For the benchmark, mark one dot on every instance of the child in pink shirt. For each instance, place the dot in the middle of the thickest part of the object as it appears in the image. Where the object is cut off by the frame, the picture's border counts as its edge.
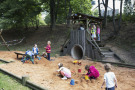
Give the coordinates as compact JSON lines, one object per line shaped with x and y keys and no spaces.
{"x":92,"y":72}
{"x":48,"y":50}
{"x":98,"y":33}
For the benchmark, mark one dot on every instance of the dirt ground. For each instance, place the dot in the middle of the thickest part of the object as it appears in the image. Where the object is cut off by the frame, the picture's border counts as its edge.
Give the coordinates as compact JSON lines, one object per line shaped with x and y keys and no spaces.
{"x":42,"y":73}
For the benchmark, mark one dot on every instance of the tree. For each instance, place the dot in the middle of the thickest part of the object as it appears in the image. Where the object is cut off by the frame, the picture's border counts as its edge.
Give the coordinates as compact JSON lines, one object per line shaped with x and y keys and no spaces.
{"x":52,"y":13}
{"x":120,"y":19}
{"x":105,"y":14}
{"x":114,"y":17}
{"x":99,"y":8}
{"x":18,"y":13}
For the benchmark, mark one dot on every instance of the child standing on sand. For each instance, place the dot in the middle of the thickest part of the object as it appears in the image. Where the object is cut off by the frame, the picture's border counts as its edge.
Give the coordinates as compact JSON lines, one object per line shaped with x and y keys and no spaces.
{"x":48,"y":50}
{"x":109,"y":78}
{"x":35,"y":50}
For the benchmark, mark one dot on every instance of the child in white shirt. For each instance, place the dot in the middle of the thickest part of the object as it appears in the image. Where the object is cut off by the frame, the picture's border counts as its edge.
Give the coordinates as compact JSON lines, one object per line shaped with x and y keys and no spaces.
{"x":109,"y":78}
{"x":65,"y":72}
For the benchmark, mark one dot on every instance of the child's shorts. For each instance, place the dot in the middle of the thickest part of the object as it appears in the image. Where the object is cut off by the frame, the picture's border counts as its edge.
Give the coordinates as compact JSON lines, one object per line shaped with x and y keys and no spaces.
{"x":113,"y":88}
{"x":67,"y":75}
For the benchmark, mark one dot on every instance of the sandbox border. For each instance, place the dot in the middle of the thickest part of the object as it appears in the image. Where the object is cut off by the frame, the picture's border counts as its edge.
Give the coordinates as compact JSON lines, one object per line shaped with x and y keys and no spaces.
{"x":28,"y":83}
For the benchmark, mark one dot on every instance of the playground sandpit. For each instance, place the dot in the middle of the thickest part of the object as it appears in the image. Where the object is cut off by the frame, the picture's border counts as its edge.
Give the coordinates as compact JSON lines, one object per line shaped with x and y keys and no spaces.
{"x":42,"y":73}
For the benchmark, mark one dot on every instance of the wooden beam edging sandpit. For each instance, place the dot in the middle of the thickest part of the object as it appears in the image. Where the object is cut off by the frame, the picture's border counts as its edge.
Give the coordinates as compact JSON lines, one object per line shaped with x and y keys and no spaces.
{"x":5,"y":61}
{"x":118,"y":64}
{"x":27,"y":83}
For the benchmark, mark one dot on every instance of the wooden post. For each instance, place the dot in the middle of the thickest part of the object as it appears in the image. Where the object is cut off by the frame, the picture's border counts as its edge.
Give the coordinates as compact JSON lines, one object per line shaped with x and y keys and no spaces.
{"x":4,"y":40}
{"x":24,"y":79}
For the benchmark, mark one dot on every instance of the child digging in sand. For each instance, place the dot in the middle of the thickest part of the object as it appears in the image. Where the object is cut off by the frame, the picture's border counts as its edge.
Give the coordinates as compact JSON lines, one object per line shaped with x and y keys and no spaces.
{"x":48,"y":50}
{"x":65,"y":72}
{"x":109,"y":78}
{"x":92,"y":72}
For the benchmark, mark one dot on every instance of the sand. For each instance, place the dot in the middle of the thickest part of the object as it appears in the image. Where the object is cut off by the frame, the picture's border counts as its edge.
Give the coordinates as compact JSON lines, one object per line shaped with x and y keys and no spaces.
{"x":43,"y":74}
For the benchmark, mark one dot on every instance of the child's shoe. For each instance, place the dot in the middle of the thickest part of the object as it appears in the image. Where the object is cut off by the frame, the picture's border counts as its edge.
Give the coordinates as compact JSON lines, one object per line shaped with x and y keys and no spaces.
{"x":64,"y":78}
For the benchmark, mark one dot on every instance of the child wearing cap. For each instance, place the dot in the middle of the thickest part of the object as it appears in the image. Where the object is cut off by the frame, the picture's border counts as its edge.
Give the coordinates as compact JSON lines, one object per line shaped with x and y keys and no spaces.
{"x":109,"y":78}
{"x":92,"y":72}
{"x":65,"y":72}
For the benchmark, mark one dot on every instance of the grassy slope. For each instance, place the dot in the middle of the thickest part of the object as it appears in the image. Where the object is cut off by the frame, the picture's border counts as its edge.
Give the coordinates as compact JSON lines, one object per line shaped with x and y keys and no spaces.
{"x":39,"y":37}
{"x":125,"y":38}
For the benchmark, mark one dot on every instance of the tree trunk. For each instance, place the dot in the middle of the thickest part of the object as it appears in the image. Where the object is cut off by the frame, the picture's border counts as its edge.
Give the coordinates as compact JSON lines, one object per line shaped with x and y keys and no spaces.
{"x":57,"y":10}
{"x":66,"y":11}
{"x":114,"y":17}
{"x":99,"y":8}
{"x":120,"y":19}
{"x":105,"y":14}
{"x":69,"y":15}
{"x":52,"y":13}
{"x":37,"y":24}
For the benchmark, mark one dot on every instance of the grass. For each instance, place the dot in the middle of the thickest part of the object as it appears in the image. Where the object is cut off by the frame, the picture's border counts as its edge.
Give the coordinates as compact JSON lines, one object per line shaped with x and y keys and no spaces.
{"x":7,"y":83}
{"x":1,"y":62}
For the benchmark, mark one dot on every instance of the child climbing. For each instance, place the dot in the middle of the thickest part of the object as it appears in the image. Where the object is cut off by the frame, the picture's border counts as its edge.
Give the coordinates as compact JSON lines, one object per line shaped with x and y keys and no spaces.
{"x":98,"y":33}
{"x":29,"y":55}
{"x":93,"y":32}
{"x":65,"y":72}
{"x":109,"y":78}
{"x":92,"y":72}
{"x":48,"y":50}
{"x":35,"y":50}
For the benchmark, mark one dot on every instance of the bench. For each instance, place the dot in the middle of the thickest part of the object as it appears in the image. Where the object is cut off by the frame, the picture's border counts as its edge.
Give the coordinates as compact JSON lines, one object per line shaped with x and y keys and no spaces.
{"x":22,"y":54}
{"x":17,"y":53}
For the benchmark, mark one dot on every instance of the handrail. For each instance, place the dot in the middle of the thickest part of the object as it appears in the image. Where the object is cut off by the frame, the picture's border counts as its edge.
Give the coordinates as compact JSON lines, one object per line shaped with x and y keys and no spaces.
{"x":94,"y":41}
{"x":66,"y":41}
{"x":95,"y":44}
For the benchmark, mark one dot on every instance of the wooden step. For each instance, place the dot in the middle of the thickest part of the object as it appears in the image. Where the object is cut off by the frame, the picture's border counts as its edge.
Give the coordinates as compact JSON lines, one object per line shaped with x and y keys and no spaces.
{"x":107,"y":53}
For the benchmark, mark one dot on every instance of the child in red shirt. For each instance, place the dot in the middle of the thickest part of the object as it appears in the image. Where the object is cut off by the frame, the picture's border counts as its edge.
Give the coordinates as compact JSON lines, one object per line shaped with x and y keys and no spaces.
{"x":48,"y":50}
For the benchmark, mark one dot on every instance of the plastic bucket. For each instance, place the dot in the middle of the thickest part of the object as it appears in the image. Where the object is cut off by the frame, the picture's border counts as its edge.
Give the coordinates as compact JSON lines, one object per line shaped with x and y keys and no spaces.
{"x":72,"y":82}
{"x":79,"y":70}
{"x":86,"y":77}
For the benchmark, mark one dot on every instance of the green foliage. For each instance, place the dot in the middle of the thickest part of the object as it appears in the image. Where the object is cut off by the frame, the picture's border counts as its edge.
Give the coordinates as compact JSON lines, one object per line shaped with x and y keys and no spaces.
{"x":129,"y":8}
{"x":62,"y":9}
{"x":47,"y":19}
{"x":95,"y":13}
{"x":129,"y":18}
{"x":18,"y":13}
{"x":82,"y":6}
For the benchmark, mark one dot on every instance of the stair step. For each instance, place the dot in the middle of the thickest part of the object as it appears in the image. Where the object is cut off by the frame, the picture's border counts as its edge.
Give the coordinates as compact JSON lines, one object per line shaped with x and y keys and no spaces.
{"x":104,"y":49}
{"x":108,"y":56}
{"x":107,"y":53}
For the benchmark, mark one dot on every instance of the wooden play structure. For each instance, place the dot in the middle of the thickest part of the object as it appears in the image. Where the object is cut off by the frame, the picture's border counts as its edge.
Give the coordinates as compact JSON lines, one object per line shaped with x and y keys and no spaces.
{"x":80,"y":43}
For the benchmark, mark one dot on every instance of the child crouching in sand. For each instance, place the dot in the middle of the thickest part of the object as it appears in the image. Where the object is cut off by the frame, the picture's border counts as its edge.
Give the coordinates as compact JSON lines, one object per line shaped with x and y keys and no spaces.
{"x":109,"y":78}
{"x":92,"y":72}
{"x":65,"y":72}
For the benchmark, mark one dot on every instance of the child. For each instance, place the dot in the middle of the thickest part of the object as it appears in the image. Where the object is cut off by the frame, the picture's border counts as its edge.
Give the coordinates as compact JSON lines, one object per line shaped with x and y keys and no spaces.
{"x":65,"y":72}
{"x":92,"y":72}
{"x":109,"y":78}
{"x":29,"y":55}
{"x":35,"y":50}
{"x":98,"y":33}
{"x":93,"y":31}
{"x":44,"y":54}
{"x":48,"y":50}
{"x":81,"y":27}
